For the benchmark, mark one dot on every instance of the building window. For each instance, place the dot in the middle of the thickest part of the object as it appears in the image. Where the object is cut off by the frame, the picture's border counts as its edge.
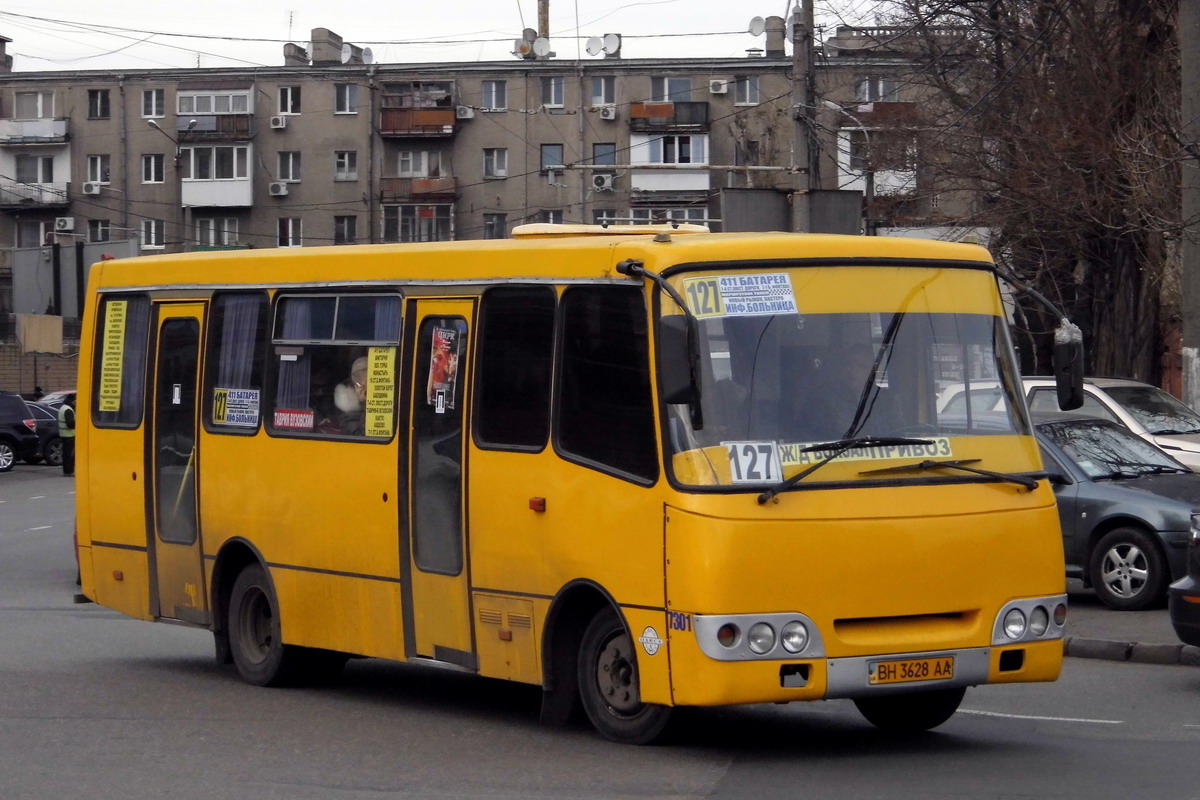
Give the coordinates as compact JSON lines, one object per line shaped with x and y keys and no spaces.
{"x":345,"y":229}
{"x":419,"y":94}
{"x":877,"y":89}
{"x":554,"y":216}
{"x":289,"y":99}
{"x":213,"y":163}
{"x":604,"y":91}
{"x":419,"y":164}
{"x":97,"y":169}
{"x":652,"y":216}
{"x":495,"y":95}
{"x":154,"y":103}
{"x":153,"y":234}
{"x":217,"y":231}
{"x":345,"y":98}
{"x":516,"y":358}
{"x":686,"y":149}
{"x":98,"y":104}
{"x":670,"y":89}
{"x":152,"y":168}
{"x":34,"y":105}
{"x":99,"y":230}
{"x":604,"y":154}
{"x":345,"y":165}
{"x":35,"y":169}
{"x":413,"y":223}
{"x":213,"y":102}
{"x":495,"y":226}
{"x":604,"y":216}
{"x":552,"y":157}
{"x":553,"y":92}
{"x":289,"y":166}
{"x":291,"y":232}
{"x":495,"y":162}
{"x":745,"y":90}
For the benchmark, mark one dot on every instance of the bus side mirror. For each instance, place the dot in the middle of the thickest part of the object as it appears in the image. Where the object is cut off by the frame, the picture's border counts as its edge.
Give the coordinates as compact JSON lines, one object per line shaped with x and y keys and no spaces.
{"x":675,"y":360}
{"x":1068,"y":365}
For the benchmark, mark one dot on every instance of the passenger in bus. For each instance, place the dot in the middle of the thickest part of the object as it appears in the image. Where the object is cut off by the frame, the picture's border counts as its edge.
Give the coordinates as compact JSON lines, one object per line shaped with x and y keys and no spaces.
{"x":842,"y":399}
{"x":350,"y":397}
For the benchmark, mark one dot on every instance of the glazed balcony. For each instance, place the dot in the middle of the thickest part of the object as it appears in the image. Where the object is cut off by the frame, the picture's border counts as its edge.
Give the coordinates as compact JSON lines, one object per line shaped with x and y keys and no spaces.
{"x":427,"y":190}
{"x":689,"y":116}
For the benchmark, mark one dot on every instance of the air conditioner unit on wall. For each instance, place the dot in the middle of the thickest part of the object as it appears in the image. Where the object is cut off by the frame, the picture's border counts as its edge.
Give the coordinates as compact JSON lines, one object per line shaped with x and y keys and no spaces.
{"x":608,"y":112}
{"x":278,"y":189}
{"x":91,"y":187}
{"x":279,"y":122}
{"x":718,"y":86}
{"x":464,"y":112}
{"x":603,"y":181}
{"x":64,"y":224}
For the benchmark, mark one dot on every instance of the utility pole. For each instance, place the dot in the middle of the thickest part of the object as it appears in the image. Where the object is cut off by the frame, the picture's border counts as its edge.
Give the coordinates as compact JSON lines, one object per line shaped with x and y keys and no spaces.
{"x":1189,"y":58}
{"x":803,"y":115}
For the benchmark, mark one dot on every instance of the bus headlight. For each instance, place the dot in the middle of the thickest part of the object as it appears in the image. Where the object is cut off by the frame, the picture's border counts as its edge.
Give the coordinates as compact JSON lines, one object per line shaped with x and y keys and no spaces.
{"x":794,"y":636}
{"x":761,"y":638}
{"x":727,"y":634}
{"x":1039,"y":621}
{"x":1014,"y":623}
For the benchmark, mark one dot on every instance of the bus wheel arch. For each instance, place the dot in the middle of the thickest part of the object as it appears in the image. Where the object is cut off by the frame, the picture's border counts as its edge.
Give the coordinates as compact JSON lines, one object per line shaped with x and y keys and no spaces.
{"x":234,"y":557}
{"x":570,"y":612}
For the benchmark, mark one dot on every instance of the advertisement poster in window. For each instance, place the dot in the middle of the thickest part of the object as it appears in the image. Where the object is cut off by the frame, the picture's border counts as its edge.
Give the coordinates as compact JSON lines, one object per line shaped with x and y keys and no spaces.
{"x":112,"y":356}
{"x":443,"y":370}
{"x":381,"y":391}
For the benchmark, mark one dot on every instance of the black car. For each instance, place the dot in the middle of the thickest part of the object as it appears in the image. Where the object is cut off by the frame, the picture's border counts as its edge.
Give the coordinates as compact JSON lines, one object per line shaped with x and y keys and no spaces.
{"x":49,"y":444}
{"x":1125,"y":507}
{"x":1184,"y":594}
{"x":18,"y":430}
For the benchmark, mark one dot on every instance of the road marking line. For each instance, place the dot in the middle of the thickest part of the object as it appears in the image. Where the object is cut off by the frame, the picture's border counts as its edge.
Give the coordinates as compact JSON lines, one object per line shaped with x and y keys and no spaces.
{"x":1042,"y":719}
{"x":42,"y":528}
{"x":38,"y":497}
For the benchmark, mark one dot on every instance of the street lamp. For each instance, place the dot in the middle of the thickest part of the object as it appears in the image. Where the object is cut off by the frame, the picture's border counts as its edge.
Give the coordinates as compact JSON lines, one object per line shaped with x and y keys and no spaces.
{"x":181,"y":220}
{"x":868,"y":173}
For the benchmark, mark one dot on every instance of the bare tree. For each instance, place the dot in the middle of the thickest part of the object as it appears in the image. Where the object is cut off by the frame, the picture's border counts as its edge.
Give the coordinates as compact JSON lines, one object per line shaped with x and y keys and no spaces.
{"x":1061,"y":117}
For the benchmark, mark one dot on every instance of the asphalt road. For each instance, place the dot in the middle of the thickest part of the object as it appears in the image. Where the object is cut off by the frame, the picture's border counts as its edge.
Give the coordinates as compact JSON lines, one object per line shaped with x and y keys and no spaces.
{"x":96,"y":705}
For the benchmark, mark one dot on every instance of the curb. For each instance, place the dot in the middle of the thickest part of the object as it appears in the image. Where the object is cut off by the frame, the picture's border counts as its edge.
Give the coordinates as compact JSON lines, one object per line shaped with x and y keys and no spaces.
{"x":1142,"y":653}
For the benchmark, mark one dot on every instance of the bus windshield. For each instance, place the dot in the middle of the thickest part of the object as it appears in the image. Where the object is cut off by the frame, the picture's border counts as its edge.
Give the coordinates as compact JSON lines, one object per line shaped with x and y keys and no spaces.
{"x":772,"y":384}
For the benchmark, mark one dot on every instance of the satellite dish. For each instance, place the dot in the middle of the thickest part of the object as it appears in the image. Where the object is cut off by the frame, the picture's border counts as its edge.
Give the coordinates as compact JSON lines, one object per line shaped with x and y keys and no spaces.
{"x":594,"y":46}
{"x":757,"y":26}
{"x":347,"y":53}
{"x":367,"y":56}
{"x":612,"y":43}
{"x":529,"y":34}
{"x":541,"y":47}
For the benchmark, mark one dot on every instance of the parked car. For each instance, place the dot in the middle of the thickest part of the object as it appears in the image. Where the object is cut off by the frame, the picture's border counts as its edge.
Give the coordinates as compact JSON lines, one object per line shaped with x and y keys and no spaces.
{"x":18,"y":430}
{"x":55,"y":399}
{"x":1125,"y":506}
{"x":49,"y":445}
{"x":1146,"y":410}
{"x":1184,"y":594}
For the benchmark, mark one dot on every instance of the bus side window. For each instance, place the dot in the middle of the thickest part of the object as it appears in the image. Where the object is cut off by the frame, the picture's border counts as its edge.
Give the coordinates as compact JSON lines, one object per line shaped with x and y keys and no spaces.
{"x":234,"y":376}
{"x":516,"y":354}
{"x":118,"y":385}
{"x":605,"y":415}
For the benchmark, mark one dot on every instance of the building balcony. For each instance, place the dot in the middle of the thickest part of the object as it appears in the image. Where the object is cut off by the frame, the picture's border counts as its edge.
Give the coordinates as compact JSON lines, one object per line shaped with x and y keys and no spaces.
{"x":668,"y":116}
{"x":235,"y":193}
{"x":33,"y":131}
{"x":16,"y":195}
{"x":426,"y":190}
{"x":418,"y":122}
{"x":683,"y":182}
{"x":214,"y":127}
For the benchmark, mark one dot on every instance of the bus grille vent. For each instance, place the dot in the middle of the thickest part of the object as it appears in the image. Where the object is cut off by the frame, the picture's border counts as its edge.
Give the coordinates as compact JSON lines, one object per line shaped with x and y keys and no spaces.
{"x":520,"y":621}
{"x":489,"y":617}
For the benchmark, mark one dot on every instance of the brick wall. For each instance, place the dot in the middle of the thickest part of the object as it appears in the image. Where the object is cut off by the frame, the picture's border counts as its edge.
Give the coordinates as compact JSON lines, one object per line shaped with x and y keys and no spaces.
{"x":53,"y":371}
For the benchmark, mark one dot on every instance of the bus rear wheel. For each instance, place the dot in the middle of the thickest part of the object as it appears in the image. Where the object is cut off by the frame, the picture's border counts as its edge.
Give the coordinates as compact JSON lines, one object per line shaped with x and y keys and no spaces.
{"x":258,"y":650}
{"x":910,"y":713}
{"x":608,"y":685}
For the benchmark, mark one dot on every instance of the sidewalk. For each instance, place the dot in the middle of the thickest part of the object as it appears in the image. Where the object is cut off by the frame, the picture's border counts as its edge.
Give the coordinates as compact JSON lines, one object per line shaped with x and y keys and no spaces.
{"x":1096,"y":631}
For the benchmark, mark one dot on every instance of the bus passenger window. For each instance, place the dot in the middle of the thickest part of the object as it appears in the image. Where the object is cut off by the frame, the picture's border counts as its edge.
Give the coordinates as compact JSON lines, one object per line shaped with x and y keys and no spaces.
{"x":516,"y":353}
{"x":234,"y":379}
{"x":605,"y":413}
{"x":120,"y":358}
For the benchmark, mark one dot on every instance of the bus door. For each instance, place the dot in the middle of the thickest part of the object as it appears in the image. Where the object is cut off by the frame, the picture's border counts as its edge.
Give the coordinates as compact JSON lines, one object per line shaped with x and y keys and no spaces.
{"x":178,"y":585}
{"x":437,"y":608}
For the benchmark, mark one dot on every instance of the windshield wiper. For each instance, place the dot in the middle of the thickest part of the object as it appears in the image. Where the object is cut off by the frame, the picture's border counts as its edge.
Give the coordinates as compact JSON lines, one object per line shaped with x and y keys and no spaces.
{"x":836,"y":449}
{"x":1156,"y":469}
{"x":1173,"y":432}
{"x":959,"y":464}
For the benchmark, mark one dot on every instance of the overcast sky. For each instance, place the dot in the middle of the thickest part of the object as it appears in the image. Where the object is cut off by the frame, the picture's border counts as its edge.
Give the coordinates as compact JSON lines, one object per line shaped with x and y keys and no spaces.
{"x":136,"y":34}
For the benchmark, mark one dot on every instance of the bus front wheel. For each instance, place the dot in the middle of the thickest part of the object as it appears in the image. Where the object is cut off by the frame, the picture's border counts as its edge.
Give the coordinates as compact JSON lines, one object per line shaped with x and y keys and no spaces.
{"x":910,"y":713}
{"x":258,"y":650}
{"x":608,"y":685}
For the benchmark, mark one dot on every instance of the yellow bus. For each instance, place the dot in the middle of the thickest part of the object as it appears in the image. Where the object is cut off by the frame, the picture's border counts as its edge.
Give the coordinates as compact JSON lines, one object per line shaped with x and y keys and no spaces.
{"x":639,"y":467}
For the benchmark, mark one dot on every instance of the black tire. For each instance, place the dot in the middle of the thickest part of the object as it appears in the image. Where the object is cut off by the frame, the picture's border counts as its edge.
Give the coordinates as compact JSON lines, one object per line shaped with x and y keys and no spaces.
{"x":52,"y":452}
{"x":1128,"y":570}
{"x":33,"y":459}
{"x":258,"y":651}
{"x":8,"y":456}
{"x":608,"y":684}
{"x":910,"y":713}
